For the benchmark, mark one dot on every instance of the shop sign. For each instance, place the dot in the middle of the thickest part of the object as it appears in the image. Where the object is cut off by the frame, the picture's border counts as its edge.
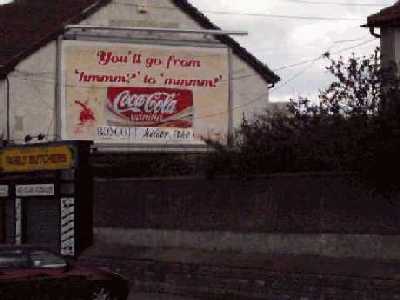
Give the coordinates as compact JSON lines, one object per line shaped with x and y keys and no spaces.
{"x":3,"y":190}
{"x":40,"y":158}
{"x":34,"y":190}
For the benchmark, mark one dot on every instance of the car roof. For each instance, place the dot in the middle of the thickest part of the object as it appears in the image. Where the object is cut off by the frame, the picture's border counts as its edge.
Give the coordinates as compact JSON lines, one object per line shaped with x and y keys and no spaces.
{"x":23,"y":249}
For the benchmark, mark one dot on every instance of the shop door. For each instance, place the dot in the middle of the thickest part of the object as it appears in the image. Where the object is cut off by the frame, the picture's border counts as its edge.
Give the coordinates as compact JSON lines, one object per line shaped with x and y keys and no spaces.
{"x":2,"y":220}
{"x":41,"y":222}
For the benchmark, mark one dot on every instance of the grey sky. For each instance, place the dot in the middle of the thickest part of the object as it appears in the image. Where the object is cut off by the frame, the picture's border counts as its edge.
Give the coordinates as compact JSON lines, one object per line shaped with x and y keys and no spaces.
{"x":281,"y":41}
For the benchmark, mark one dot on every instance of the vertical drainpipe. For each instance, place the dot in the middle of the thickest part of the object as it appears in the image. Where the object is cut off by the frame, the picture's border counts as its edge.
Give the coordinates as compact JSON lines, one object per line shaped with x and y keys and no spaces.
{"x":372,"y":32}
{"x":8,"y":109}
{"x":57,"y":103}
{"x":230,"y":100}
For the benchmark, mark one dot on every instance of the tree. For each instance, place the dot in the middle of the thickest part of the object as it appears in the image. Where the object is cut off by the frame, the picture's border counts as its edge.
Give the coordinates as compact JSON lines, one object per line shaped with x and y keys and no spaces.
{"x":353,"y":127}
{"x":361,"y":87}
{"x":356,"y":89}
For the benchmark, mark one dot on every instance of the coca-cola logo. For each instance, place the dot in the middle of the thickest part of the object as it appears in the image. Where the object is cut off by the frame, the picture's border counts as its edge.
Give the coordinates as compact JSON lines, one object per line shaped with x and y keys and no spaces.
{"x":156,"y":103}
{"x":144,"y":106}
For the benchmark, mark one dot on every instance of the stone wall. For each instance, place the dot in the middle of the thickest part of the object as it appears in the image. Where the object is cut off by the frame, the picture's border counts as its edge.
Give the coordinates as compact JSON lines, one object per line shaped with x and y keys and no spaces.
{"x":299,"y":204}
{"x":305,"y":214}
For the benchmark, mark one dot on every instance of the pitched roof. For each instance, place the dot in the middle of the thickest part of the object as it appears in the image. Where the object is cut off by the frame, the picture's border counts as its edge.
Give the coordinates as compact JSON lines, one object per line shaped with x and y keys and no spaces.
{"x":27,"y":25}
{"x":389,"y":16}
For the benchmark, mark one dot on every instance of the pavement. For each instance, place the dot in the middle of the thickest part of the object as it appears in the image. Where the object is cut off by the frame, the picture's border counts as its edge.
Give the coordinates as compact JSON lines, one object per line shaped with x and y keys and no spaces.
{"x":180,"y":262}
{"x":354,"y":267}
{"x":144,"y":296}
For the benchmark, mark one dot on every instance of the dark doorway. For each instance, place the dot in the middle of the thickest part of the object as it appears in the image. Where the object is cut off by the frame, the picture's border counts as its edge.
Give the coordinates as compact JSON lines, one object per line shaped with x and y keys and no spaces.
{"x":41,"y":222}
{"x":2,"y":220}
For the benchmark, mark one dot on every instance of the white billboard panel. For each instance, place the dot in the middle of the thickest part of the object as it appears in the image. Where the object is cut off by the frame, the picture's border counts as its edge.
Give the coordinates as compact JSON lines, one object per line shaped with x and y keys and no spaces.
{"x":144,"y":94}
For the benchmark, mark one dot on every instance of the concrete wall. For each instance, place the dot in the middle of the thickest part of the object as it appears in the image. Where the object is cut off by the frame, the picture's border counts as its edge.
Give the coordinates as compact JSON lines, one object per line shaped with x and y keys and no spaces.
{"x":313,"y":214}
{"x":32,"y":93}
{"x":330,"y":245}
{"x":293,"y":204}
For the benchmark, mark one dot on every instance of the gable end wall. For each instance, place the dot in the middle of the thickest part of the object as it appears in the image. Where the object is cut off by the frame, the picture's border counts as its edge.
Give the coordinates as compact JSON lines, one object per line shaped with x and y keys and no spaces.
{"x":32,"y":83}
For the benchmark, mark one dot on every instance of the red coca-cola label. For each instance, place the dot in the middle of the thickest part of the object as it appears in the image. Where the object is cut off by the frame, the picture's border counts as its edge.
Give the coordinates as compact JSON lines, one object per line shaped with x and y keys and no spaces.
{"x":145,"y":106}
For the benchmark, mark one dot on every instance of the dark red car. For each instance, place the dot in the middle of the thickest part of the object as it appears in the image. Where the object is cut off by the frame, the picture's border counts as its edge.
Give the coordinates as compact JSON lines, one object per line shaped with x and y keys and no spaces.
{"x":38,"y":274}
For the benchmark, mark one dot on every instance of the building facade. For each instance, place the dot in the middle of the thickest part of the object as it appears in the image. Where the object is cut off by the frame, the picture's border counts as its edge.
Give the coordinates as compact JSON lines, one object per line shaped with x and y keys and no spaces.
{"x":60,"y":83}
{"x":385,"y":25}
{"x":81,"y":77}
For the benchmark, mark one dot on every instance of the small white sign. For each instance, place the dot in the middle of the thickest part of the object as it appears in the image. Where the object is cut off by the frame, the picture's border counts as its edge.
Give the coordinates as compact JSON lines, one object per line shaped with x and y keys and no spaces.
{"x":147,"y":134}
{"x":34,"y":190}
{"x":3,"y":190}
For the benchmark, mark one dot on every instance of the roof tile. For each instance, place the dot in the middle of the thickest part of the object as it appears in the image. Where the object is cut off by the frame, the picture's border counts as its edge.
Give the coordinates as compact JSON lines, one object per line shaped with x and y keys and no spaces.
{"x":389,"y":16}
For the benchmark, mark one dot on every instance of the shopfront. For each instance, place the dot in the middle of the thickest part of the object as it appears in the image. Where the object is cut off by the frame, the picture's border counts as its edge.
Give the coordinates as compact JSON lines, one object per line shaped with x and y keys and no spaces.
{"x":46,"y":196}
{"x":3,"y":203}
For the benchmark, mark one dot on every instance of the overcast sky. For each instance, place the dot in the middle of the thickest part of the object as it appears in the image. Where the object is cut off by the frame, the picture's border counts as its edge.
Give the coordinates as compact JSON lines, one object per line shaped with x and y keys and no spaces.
{"x":281,"y":42}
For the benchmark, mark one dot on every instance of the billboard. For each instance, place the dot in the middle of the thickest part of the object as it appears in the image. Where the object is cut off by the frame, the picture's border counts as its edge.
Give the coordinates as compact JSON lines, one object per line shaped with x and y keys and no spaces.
{"x":144,"y":93}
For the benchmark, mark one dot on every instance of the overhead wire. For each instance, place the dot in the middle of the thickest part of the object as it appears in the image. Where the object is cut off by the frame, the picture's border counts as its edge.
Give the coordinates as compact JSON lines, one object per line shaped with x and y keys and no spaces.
{"x":254,"y":14}
{"x":267,"y":15}
{"x":313,"y":62}
{"x":298,"y":74}
{"x":257,"y":98}
{"x":295,"y":76}
{"x":352,"y":47}
{"x":310,"y":61}
{"x":303,"y":62}
{"x":251,"y":14}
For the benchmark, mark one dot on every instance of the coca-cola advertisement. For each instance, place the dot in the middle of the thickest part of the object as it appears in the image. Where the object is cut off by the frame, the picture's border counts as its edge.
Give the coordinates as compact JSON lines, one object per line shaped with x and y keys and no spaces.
{"x":149,"y":107}
{"x":147,"y":94}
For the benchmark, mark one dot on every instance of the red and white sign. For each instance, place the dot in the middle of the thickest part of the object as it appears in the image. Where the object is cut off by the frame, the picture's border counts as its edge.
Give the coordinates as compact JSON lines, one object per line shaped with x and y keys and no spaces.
{"x":149,"y":94}
{"x":150,"y":107}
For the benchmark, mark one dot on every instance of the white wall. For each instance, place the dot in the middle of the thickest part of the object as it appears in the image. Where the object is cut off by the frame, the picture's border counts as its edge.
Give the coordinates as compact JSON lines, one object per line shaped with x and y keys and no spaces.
{"x":32,"y":84}
{"x":32,"y":95}
{"x":250,"y":92}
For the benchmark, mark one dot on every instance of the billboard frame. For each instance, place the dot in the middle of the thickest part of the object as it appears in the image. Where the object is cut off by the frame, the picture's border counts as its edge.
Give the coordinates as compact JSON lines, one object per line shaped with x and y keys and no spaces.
{"x":138,"y":147}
